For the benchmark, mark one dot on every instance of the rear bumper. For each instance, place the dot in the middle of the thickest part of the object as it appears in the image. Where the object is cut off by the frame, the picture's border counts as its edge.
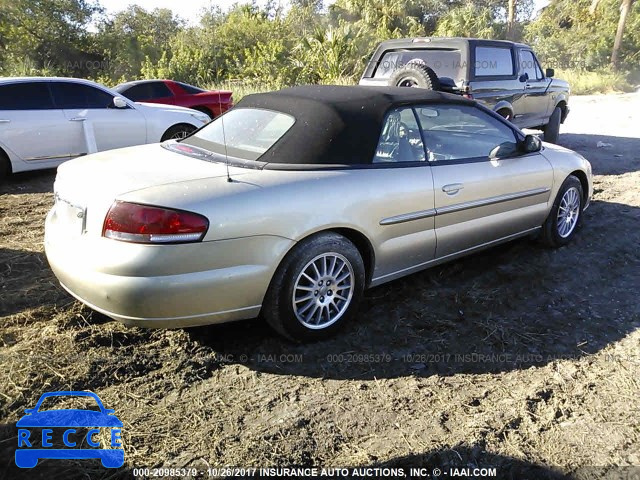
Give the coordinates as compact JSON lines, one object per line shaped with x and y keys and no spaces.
{"x":166,"y":286}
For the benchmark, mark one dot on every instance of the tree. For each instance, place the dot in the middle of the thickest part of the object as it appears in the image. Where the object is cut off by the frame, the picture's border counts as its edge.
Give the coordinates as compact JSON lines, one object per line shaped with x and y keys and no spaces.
{"x":511,"y":18}
{"x":625,"y":8}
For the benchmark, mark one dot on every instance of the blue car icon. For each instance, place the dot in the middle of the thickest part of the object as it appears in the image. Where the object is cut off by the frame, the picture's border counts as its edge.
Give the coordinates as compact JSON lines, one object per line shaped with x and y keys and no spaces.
{"x":27,"y":457}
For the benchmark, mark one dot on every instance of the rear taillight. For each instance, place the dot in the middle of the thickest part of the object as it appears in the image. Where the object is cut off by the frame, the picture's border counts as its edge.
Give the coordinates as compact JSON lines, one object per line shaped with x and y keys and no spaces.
{"x":131,"y":222}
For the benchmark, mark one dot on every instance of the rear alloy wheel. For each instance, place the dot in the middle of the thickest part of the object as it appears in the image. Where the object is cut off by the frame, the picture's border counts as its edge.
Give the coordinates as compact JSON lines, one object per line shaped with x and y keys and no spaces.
{"x":552,"y":129}
{"x":316,"y":288}
{"x":565,"y":215}
{"x":178,"y":132}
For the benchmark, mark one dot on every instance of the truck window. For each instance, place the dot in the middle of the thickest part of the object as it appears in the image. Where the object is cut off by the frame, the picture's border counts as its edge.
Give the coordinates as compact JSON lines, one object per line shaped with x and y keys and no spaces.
{"x":529,"y":65}
{"x":493,"y":62}
{"x":446,"y":63}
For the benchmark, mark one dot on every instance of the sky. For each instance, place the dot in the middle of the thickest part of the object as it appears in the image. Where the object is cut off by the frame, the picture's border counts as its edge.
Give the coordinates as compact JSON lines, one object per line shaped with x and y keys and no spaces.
{"x":190,"y":9}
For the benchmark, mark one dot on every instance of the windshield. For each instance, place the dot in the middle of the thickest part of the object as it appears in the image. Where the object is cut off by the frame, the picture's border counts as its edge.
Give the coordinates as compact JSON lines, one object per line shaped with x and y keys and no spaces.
{"x":248,"y":132}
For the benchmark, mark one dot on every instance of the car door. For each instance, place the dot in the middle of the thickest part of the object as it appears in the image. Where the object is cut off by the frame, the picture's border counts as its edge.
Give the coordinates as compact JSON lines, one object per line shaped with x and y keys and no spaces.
{"x":99,"y":125}
{"x":536,"y":94}
{"x":31,"y":126}
{"x":478,"y":199}
{"x":494,"y":80}
{"x":404,"y":233}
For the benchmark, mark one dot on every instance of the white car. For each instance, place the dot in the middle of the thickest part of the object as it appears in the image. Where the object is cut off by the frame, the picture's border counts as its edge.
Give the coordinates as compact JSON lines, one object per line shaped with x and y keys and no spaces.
{"x":46,"y":121}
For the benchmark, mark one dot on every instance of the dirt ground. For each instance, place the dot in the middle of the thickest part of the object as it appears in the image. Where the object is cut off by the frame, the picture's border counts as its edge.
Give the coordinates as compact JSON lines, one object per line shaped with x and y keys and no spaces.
{"x":519,"y":358}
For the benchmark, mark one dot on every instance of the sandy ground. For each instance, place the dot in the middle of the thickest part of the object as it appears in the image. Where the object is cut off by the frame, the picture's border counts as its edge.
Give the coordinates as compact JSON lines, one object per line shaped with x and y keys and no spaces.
{"x":518,"y":358}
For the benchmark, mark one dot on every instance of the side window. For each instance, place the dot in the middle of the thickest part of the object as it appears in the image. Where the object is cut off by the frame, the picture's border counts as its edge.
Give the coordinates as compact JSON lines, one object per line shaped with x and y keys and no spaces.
{"x":77,"y":95}
{"x":190,"y":88}
{"x":137,"y":93}
{"x":26,"y":96}
{"x":493,"y":61}
{"x":159,"y":90}
{"x":529,"y":65}
{"x":400,"y":139}
{"x":456,"y":132}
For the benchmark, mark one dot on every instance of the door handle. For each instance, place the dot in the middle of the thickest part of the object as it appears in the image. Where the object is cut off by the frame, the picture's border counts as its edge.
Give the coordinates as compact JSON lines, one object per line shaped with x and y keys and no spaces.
{"x":5,"y":121}
{"x":452,"y":188}
{"x":529,"y":86}
{"x":78,"y":119}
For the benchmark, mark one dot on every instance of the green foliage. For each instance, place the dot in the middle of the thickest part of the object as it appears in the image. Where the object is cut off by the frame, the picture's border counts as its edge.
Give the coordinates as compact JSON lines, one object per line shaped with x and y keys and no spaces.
{"x":249,"y":47}
{"x":566,"y":35}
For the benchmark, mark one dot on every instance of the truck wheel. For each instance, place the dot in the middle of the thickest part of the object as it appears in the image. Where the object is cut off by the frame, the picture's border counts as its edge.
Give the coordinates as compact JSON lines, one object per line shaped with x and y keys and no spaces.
{"x":415,"y":74}
{"x":552,"y":129}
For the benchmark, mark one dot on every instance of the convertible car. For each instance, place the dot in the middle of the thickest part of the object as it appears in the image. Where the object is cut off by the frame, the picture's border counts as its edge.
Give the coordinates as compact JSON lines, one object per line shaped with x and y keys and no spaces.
{"x":293,"y":202}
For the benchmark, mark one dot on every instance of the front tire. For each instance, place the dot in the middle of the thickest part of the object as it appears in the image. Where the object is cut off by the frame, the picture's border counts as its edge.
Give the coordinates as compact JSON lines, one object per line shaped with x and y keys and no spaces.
{"x":566,"y":214}
{"x":552,"y":129}
{"x":178,"y":132}
{"x":316,"y":289}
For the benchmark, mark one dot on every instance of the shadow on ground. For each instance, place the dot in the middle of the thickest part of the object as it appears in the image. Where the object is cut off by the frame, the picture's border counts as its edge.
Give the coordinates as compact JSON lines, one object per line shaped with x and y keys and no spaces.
{"x":615,"y":156}
{"x":512,"y":307}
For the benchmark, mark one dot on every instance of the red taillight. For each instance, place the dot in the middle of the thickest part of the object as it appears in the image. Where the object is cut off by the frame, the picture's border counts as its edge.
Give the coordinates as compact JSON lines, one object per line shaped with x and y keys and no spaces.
{"x":131,"y":222}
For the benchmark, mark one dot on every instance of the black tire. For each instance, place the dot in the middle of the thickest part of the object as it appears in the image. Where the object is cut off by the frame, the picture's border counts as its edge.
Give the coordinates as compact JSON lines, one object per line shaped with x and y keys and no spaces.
{"x":278,"y":306}
{"x":415,"y":75}
{"x":504,"y":113}
{"x":179,"y":131}
{"x":5,"y":167}
{"x":551,"y":229}
{"x":552,"y":129}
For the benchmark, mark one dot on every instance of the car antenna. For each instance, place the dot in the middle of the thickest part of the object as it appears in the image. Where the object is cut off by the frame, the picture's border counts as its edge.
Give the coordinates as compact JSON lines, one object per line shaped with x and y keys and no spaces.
{"x":224,"y":137}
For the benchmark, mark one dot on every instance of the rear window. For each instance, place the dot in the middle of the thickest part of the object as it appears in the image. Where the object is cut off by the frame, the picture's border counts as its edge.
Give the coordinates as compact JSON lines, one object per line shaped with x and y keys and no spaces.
{"x":190,"y":88}
{"x":247,"y":132}
{"x":446,"y":63}
{"x":493,"y":62}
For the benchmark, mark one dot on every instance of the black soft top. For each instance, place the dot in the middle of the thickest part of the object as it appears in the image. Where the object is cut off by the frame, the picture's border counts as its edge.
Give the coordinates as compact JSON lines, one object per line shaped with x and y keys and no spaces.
{"x":336,"y":125}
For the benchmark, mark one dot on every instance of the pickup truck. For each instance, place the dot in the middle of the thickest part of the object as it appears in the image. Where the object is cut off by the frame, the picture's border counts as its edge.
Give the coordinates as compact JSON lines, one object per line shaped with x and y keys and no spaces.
{"x":502,"y":75}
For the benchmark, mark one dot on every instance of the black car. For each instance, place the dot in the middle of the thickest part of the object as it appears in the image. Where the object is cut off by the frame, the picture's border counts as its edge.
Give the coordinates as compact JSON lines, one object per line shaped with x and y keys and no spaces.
{"x":504,"y":76}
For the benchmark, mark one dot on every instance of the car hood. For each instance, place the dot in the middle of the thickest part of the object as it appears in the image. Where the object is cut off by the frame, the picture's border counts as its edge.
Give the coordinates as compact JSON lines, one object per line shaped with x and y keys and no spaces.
{"x":69,"y":418}
{"x":166,"y":108}
{"x":559,"y":83}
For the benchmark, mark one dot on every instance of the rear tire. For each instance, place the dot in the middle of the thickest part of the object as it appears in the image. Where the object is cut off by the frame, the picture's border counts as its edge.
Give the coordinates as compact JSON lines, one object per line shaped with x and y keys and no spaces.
{"x":565,"y":216}
{"x":5,"y":166}
{"x":552,"y":129}
{"x":415,"y":75}
{"x":316,"y":288}
{"x":178,"y":132}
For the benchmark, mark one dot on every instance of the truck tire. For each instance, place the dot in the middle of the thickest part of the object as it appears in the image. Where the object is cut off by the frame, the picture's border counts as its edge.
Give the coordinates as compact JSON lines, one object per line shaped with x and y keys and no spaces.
{"x":415,"y":74}
{"x":552,"y":129}
{"x":5,"y":166}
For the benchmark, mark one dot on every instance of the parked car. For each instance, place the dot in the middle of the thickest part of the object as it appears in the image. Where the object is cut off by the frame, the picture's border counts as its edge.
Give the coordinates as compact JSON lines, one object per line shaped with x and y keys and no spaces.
{"x":169,"y":92}
{"x":45,"y":121}
{"x":504,"y":76}
{"x":298,"y":201}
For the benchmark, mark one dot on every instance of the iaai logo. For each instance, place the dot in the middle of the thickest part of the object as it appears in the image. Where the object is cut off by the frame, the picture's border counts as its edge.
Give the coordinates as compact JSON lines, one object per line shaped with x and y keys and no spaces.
{"x":77,"y":444}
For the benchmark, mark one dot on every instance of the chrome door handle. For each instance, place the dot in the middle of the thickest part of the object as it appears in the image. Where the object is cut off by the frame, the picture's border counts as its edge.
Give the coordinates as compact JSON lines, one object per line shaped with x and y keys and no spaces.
{"x":529,"y":86}
{"x":452,"y":188}
{"x":5,"y":121}
{"x":78,"y":119}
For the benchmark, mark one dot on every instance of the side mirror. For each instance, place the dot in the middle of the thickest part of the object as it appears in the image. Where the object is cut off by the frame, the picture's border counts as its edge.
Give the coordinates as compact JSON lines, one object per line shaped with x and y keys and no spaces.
{"x":531,"y":144}
{"x":549,"y":72}
{"x":524,"y":77}
{"x":119,"y":102}
{"x":504,"y":150}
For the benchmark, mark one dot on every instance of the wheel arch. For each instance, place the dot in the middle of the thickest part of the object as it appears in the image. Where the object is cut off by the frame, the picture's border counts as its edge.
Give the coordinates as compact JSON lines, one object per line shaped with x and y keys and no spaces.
{"x":504,"y":106}
{"x":179,"y":124}
{"x":580,"y":175}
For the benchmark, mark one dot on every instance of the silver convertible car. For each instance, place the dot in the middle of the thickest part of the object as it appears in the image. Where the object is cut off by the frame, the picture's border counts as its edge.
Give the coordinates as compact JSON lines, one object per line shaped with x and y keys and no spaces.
{"x":293,"y":202}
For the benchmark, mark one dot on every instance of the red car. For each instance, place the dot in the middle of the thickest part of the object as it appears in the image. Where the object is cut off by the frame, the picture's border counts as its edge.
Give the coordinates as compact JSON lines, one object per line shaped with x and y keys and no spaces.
{"x":169,"y":92}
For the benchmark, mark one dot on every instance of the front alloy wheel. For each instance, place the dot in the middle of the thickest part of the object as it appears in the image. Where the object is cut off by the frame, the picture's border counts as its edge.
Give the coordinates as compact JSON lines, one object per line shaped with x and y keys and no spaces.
{"x":565,"y":215}
{"x":316,"y":288}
